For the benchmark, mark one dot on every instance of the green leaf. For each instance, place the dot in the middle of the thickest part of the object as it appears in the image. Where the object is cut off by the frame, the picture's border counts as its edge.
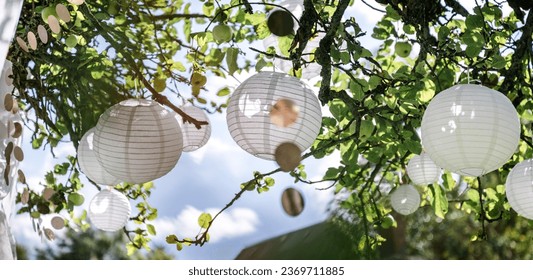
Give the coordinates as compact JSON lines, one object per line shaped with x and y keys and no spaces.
{"x":269,"y":181}
{"x":171,"y":239}
{"x":204,"y":220}
{"x":284,"y":44}
{"x":357,"y":90}
{"x":76,"y":198}
{"x":413,"y":146}
{"x":208,"y":8}
{"x":474,"y":21}
{"x":130,"y":248}
{"x":178,"y":66}
{"x":151,"y":229}
{"x":388,"y":221}
{"x":223,"y":92}
{"x":35,"y":214}
{"x":366,"y":129}
{"x":331,"y":173}
{"x":231,"y":59}
{"x":498,"y":61}
{"x":473,"y":195}
{"x":345,"y":57}
{"x":260,"y":64}
{"x":439,"y":202}
{"x":447,"y":181}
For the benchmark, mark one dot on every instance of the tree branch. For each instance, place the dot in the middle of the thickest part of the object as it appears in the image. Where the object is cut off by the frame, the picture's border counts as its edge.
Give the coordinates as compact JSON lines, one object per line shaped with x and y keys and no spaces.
{"x":457,"y":7}
{"x":323,"y":56}
{"x":155,"y":95}
{"x":523,"y":47}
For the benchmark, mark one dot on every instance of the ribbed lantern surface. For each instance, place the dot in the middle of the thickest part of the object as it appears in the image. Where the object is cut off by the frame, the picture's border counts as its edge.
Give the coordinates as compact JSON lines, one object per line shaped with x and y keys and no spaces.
{"x":405,"y":199}
{"x":109,"y":210}
{"x":138,"y":141}
{"x":422,"y":170}
{"x":89,"y":164}
{"x":249,"y":114}
{"x":470,"y":129}
{"x":519,"y":188}
{"x":194,"y":138}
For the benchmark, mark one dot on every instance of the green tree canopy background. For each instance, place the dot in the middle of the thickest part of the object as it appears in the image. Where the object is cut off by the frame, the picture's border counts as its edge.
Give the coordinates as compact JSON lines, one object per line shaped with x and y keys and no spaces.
{"x":114,"y":50}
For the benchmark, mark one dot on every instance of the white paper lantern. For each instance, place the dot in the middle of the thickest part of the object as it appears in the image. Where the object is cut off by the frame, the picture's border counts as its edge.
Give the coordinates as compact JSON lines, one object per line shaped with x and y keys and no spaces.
{"x":422,"y":170}
{"x":89,"y":164}
{"x":138,"y":141}
{"x":405,"y":199}
{"x":249,"y":114}
{"x":194,"y":138}
{"x":470,"y":129}
{"x":109,"y":210}
{"x":519,"y":188}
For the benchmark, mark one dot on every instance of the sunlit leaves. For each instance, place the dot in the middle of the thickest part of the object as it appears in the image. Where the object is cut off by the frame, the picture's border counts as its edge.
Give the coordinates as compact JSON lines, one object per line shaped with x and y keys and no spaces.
{"x":204,"y":220}
{"x":438,"y":200}
{"x":231,"y":60}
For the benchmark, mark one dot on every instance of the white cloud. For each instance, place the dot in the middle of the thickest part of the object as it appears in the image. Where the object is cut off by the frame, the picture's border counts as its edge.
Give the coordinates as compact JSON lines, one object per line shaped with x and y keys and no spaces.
{"x":230,"y":224}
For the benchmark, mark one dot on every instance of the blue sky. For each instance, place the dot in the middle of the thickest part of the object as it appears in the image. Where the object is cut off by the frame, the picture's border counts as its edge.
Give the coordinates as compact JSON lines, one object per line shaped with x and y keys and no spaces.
{"x":205,"y":180}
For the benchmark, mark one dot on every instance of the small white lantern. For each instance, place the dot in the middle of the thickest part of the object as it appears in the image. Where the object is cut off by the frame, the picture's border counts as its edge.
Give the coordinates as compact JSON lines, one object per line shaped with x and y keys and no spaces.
{"x":109,"y":210}
{"x":519,"y":188}
{"x":89,"y":164}
{"x":138,"y":141}
{"x":251,"y":124}
{"x":422,"y":170}
{"x":194,"y":138}
{"x":405,"y":199}
{"x":470,"y":129}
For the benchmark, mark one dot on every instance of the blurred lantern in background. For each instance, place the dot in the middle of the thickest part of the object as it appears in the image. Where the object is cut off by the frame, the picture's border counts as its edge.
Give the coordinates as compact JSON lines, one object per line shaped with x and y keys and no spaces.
{"x":89,"y":164}
{"x":194,"y":138}
{"x":422,"y":170}
{"x":519,"y":188}
{"x":405,"y":199}
{"x":109,"y":210}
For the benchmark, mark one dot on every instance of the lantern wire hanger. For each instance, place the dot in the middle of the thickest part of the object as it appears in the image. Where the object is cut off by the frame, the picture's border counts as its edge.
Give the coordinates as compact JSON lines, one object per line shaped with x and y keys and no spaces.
{"x":137,"y":93}
{"x":468,"y":77}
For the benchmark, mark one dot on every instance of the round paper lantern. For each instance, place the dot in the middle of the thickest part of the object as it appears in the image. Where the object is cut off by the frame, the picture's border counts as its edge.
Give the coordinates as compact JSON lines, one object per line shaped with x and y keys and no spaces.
{"x":405,"y":199}
{"x":194,"y":138}
{"x":519,"y":188}
{"x":251,"y":105}
{"x":109,"y":210}
{"x":422,"y":170}
{"x":292,"y":202}
{"x":89,"y":164}
{"x":138,"y":141}
{"x":470,"y":129}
